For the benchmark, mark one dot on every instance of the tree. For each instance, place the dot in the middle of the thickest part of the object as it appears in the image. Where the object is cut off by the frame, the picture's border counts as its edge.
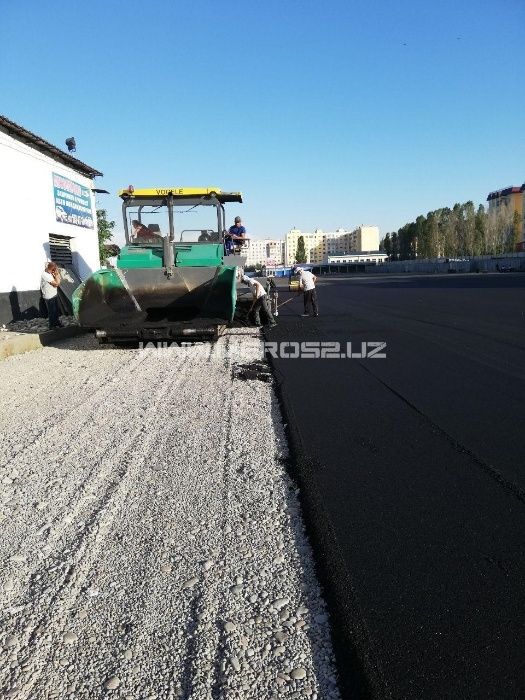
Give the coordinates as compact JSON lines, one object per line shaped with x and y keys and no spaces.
{"x":480,"y":233}
{"x":421,"y":248}
{"x":432,"y":234}
{"x":516,"y":231}
{"x":111,"y":250}
{"x":406,"y":241}
{"x":500,"y":229}
{"x":460,"y":231}
{"x":387,"y":245}
{"x":395,"y":246}
{"x":469,"y":228}
{"x":105,"y":232}
{"x":300,"y":254}
{"x":448,"y":231}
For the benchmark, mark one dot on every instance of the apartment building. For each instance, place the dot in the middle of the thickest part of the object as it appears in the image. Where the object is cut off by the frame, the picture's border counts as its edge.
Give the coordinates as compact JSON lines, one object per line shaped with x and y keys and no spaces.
{"x":513,"y":197}
{"x":267,"y":251}
{"x":321,"y":245}
{"x":365,"y":238}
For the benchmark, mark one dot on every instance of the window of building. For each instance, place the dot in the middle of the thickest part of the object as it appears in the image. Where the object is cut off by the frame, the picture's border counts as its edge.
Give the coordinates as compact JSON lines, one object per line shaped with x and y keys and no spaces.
{"x":60,"y":250}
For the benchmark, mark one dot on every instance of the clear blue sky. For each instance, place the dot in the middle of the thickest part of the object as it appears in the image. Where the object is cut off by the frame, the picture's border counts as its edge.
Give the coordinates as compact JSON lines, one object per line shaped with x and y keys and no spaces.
{"x":324,"y":114}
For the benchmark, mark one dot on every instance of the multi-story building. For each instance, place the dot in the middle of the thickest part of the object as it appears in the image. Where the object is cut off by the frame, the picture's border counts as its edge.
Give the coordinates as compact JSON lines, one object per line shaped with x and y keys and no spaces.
{"x":365,"y":238}
{"x":267,"y":251}
{"x":513,"y":197}
{"x":320,"y":245}
{"x":312,"y":242}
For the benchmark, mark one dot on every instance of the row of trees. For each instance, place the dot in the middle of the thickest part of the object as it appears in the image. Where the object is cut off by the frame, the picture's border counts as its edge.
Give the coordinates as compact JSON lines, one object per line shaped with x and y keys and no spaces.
{"x":457,"y":232}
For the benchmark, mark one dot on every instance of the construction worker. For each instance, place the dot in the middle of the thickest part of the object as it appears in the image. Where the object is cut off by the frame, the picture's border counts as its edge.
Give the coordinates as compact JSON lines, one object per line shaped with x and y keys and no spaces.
{"x":235,"y":236}
{"x":143,"y":233}
{"x":260,"y":303}
{"x":307,"y":282}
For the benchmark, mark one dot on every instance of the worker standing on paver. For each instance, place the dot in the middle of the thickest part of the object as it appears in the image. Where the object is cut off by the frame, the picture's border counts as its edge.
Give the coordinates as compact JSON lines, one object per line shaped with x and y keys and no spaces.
{"x":260,"y":303}
{"x":49,"y":283}
{"x":307,"y":282}
{"x":235,"y":237}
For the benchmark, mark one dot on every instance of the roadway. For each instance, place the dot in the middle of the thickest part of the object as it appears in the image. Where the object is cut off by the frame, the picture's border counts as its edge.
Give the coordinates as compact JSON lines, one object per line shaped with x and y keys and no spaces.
{"x":412,"y":474}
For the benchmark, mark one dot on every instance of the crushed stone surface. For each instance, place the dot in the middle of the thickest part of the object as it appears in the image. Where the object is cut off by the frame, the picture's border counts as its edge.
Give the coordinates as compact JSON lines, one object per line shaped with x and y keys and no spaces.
{"x":151,"y":541}
{"x":35,"y":325}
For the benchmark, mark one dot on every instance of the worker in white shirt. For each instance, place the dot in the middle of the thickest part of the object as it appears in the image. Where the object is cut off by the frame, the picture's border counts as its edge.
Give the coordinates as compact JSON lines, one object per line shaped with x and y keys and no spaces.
{"x":49,"y":283}
{"x":307,"y":283}
{"x":260,"y":303}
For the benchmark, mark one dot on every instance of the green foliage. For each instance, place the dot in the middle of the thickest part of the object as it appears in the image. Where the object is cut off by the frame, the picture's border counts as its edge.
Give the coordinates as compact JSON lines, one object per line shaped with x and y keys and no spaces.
{"x":105,"y":233}
{"x":395,"y":246}
{"x":516,"y":230}
{"x":457,"y":232}
{"x":111,"y":250}
{"x":300,"y":254}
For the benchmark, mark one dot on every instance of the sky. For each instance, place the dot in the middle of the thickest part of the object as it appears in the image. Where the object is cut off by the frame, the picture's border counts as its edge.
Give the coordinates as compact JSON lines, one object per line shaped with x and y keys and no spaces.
{"x":324,"y":114}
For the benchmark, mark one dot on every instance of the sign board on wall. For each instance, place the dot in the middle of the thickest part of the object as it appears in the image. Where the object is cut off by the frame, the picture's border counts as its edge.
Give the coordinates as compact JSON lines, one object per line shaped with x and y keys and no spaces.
{"x":72,"y":202}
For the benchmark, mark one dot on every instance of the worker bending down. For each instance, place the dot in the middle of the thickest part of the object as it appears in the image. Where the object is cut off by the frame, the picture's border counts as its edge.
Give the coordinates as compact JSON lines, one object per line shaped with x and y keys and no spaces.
{"x":260,"y":305}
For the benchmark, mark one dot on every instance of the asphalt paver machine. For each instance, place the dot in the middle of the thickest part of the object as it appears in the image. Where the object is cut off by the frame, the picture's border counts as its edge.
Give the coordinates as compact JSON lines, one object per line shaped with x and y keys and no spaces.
{"x":168,"y":282}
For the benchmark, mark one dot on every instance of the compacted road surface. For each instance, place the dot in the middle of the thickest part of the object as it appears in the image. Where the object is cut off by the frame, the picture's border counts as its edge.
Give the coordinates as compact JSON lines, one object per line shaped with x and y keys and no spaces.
{"x":412,"y":469}
{"x":151,"y":544}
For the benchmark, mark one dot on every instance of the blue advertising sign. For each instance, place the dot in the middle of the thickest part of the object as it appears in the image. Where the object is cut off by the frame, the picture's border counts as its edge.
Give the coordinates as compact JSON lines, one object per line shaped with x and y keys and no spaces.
{"x":72,"y":202}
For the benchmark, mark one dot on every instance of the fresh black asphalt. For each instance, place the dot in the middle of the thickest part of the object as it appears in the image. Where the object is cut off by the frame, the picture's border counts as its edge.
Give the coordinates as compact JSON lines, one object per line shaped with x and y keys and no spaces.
{"x":412,"y":473}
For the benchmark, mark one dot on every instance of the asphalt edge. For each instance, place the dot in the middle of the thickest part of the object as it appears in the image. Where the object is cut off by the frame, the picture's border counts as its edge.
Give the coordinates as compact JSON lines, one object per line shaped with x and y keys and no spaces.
{"x":359,"y":677}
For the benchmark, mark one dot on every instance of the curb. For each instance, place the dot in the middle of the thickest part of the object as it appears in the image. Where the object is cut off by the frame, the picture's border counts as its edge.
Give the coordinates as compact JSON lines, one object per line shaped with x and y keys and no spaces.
{"x":13,"y":343}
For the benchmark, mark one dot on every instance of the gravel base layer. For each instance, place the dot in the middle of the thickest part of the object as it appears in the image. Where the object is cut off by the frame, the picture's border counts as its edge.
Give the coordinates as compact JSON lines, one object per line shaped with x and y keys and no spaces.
{"x":151,"y":542}
{"x":36,"y":325}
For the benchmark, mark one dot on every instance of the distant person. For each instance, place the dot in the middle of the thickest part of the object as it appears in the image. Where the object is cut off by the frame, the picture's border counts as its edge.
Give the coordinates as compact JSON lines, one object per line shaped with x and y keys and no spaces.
{"x":236,"y":236}
{"x":261,"y":304}
{"x":307,"y":282}
{"x":49,"y":283}
{"x":140,"y":231}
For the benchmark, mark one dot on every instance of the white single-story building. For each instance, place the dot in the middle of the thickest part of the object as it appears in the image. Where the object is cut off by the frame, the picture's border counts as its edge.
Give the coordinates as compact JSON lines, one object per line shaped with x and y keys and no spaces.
{"x":47,"y":212}
{"x":371,"y":257}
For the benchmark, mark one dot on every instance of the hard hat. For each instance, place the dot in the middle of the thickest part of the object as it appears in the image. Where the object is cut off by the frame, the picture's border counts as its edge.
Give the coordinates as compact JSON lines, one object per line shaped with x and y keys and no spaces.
{"x":237,"y":219}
